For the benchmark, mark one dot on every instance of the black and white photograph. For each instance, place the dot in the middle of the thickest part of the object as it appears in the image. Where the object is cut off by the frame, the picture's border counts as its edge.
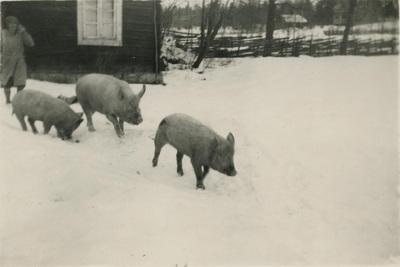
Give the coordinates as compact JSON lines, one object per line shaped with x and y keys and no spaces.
{"x":199,"y":133}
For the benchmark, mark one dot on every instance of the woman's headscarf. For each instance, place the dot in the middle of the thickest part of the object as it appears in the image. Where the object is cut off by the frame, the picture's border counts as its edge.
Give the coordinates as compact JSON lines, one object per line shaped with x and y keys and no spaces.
{"x":10,"y":19}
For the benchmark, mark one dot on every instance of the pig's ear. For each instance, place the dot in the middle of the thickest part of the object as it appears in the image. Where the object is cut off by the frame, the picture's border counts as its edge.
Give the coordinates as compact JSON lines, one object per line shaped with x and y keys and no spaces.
{"x":80,"y":114}
{"x":231,"y":139}
{"x":141,"y":93}
{"x":120,"y":94}
{"x":78,"y":122}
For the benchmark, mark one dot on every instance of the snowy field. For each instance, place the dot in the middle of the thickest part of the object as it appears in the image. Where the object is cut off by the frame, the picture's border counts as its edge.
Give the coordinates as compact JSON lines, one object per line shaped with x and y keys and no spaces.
{"x":316,"y":155}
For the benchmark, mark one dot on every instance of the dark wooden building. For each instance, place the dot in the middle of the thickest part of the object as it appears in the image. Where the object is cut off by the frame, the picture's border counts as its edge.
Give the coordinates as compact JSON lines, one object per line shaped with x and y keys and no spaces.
{"x":76,"y":37}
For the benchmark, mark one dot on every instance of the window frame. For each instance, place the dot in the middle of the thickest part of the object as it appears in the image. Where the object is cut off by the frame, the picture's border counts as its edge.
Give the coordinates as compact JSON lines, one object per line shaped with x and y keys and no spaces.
{"x":99,"y":40}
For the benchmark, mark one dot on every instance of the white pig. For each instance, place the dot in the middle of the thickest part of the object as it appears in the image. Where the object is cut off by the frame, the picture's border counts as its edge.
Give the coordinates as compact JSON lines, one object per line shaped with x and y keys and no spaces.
{"x":109,"y":96}
{"x":202,"y":145}
{"x":39,"y":106}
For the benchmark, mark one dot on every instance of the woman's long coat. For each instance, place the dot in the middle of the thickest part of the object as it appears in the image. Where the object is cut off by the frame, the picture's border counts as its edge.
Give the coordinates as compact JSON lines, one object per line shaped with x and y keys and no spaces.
{"x":12,"y":56}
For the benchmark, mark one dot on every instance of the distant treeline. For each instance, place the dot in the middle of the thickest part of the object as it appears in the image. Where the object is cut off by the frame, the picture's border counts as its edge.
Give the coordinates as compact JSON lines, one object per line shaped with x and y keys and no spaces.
{"x":249,"y":15}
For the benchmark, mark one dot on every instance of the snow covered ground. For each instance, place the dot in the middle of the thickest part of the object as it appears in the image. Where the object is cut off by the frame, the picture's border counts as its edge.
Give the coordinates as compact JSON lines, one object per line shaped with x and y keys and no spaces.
{"x":316,"y":155}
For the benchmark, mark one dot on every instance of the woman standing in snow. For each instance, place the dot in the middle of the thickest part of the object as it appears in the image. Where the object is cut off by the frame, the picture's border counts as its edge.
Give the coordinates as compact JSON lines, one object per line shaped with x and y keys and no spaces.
{"x":13,"y":66}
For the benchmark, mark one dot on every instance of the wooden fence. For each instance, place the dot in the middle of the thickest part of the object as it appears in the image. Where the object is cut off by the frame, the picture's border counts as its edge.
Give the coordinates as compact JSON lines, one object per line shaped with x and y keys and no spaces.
{"x":234,"y":46}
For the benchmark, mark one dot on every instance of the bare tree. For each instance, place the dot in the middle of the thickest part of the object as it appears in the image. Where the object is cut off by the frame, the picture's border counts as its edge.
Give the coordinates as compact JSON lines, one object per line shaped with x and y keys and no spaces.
{"x":211,"y":22}
{"x":270,"y":28}
{"x":167,"y":17}
{"x":349,"y":24}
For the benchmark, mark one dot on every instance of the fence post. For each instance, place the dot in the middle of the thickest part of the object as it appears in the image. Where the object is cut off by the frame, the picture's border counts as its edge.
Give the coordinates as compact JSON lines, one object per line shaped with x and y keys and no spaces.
{"x":296,"y":43}
{"x":355,"y":46}
{"x":286,"y":42}
{"x":393,"y":45}
{"x":239,"y":44}
{"x":330,"y":47}
{"x":259,"y":43}
{"x":191,"y":43}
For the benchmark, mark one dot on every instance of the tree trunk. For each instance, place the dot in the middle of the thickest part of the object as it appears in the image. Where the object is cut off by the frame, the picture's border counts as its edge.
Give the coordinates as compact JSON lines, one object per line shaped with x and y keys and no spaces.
{"x":270,"y":28}
{"x":203,"y":24}
{"x":212,"y":31}
{"x":349,"y":23}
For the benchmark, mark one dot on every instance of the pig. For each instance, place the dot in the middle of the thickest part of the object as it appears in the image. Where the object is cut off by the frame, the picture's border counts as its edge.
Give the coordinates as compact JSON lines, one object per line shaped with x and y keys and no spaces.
{"x":39,"y":106}
{"x":202,"y":145}
{"x":111,"y":97}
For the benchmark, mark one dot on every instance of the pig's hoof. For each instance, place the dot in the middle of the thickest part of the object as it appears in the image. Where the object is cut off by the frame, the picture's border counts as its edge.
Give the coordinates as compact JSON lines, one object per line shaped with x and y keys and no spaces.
{"x":201,"y":187}
{"x":77,"y":141}
{"x":180,"y":173}
{"x":92,"y":129}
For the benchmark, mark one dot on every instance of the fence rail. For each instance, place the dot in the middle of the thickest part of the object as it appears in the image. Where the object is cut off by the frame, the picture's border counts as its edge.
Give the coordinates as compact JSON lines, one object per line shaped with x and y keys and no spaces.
{"x":240,"y":46}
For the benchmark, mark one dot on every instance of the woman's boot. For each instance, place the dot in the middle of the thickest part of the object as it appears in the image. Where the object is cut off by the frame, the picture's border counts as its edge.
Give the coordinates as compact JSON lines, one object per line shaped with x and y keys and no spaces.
{"x":7,"y":92}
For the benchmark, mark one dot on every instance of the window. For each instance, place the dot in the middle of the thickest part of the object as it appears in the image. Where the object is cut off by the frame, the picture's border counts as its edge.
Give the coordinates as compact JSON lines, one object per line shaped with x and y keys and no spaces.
{"x":100,"y":22}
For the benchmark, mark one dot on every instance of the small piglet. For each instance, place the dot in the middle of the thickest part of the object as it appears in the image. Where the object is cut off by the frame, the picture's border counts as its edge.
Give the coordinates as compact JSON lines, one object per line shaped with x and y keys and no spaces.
{"x":201,"y":144}
{"x":39,"y":106}
{"x":109,"y":96}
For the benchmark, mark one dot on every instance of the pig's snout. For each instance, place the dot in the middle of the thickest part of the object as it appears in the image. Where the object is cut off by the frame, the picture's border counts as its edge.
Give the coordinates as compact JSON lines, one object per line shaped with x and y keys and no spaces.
{"x":231,"y":172}
{"x":136,"y":120}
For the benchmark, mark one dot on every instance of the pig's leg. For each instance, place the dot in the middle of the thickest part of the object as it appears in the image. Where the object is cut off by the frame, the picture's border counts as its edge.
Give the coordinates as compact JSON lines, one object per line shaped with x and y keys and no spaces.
{"x":22,"y":121}
{"x":89,"y":113}
{"x":46,"y":127}
{"x":157,"y":152}
{"x":179,"y":157}
{"x":32,"y":123}
{"x":89,"y":123}
{"x":205,"y":171}
{"x":121,"y":125}
{"x":115,"y":122}
{"x":159,"y":142}
{"x":199,"y":175}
